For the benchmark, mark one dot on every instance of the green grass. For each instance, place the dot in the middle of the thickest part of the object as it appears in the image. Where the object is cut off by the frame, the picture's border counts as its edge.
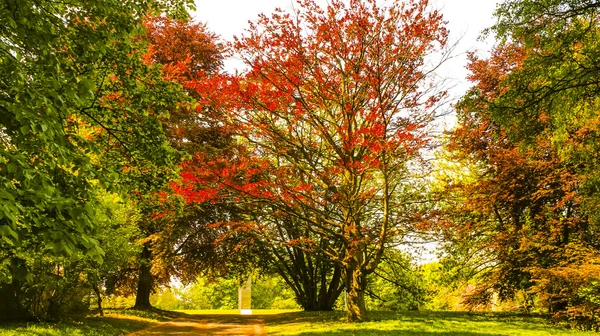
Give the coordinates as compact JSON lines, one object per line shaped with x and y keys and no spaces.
{"x":278,"y":322}
{"x":116,"y":322}
{"x":416,"y":324}
{"x":237,"y":312}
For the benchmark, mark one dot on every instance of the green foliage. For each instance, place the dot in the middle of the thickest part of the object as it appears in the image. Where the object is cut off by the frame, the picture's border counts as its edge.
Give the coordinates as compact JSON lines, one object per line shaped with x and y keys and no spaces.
{"x":396,"y":284}
{"x":77,"y":104}
{"x":271,"y":292}
{"x":553,"y":91}
{"x":441,"y":292}
{"x":219,"y":293}
{"x":529,"y":130}
{"x":166,"y":300}
{"x":118,"y":235}
{"x":115,"y":301}
{"x":58,"y":286}
{"x":268,"y":292}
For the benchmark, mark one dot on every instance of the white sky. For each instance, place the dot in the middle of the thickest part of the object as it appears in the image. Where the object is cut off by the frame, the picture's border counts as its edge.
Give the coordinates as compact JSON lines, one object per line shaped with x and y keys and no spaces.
{"x":466,"y":19}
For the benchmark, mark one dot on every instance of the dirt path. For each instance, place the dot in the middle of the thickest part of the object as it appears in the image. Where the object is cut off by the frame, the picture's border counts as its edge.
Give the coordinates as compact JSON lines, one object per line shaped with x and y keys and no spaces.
{"x":207,"y":325}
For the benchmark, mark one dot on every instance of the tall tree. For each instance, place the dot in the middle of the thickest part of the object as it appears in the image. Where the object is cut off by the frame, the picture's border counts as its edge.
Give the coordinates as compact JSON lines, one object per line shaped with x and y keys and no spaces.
{"x":338,"y":100}
{"x":554,"y":90}
{"x":528,"y":130}
{"x":211,"y":236}
{"x":189,"y":54}
{"x":77,"y":104}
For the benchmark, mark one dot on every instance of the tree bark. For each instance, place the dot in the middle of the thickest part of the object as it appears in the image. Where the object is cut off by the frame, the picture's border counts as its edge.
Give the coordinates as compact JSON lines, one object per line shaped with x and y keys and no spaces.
{"x":144,"y":288}
{"x":355,"y":287}
{"x":316,"y":289}
{"x":99,"y":296}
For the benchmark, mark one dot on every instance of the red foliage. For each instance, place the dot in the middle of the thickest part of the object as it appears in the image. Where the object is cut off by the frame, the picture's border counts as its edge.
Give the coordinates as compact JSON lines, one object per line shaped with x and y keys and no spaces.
{"x":336,"y":103}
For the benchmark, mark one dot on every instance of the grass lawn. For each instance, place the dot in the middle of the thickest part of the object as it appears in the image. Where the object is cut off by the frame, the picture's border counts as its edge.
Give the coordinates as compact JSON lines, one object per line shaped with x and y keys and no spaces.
{"x":277,"y":322}
{"x":237,"y":312}
{"x":116,"y":322}
{"x":415,"y":324}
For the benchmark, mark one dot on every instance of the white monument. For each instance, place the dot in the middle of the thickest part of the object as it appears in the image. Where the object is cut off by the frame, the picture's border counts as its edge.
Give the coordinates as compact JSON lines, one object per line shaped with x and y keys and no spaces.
{"x":245,"y":297}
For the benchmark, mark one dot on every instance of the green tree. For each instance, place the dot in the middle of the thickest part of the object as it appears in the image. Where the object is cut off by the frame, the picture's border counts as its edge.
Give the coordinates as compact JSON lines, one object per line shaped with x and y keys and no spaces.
{"x":78,"y":110}
{"x":270,"y":291}
{"x":118,"y":235}
{"x":397,"y":284}
{"x":61,"y":285}
{"x":216,"y":293}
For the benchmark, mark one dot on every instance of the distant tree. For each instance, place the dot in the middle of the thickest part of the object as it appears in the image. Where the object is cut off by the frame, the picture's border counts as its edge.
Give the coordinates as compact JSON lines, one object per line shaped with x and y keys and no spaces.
{"x":269,"y":291}
{"x":397,"y":284}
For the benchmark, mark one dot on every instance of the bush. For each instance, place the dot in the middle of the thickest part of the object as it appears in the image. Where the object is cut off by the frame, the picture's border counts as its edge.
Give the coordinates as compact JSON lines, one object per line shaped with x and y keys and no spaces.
{"x":52,"y":289}
{"x":571,"y":291}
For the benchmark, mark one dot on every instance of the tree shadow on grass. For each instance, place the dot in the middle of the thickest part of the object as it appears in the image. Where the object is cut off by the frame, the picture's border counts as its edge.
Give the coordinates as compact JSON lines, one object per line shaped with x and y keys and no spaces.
{"x":398,"y":332}
{"x":93,"y":325}
{"x":478,"y":322}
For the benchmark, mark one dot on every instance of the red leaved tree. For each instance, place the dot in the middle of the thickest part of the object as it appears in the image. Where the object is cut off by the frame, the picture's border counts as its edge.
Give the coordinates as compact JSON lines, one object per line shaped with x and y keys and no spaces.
{"x":189,"y":54}
{"x":339,"y":101}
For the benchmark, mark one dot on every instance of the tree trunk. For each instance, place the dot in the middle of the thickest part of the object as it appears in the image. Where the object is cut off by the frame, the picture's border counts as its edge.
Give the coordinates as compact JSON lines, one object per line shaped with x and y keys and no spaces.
{"x":327,"y":300}
{"x":305,"y":289}
{"x":99,"y":296}
{"x":355,"y":287}
{"x":316,"y":282}
{"x":142,"y":298}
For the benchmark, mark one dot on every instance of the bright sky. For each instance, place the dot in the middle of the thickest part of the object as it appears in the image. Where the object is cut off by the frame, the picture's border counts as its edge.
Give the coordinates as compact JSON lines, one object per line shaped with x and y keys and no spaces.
{"x":466,"y":19}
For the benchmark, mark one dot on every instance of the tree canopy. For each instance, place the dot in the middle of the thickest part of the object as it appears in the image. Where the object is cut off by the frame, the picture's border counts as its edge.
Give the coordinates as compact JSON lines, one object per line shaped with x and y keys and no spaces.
{"x":528,"y":130}
{"x":338,"y":101}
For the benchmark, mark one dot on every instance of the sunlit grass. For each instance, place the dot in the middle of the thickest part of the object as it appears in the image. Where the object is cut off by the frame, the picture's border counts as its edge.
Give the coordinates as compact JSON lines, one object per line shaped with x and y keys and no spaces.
{"x":416,"y":324}
{"x":286,"y":322}
{"x":237,"y":312}
{"x":116,"y":322}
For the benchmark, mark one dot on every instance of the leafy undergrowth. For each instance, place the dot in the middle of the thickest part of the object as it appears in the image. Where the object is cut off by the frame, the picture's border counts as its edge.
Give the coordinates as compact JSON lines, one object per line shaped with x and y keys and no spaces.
{"x":415,"y":324}
{"x":116,"y":322}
